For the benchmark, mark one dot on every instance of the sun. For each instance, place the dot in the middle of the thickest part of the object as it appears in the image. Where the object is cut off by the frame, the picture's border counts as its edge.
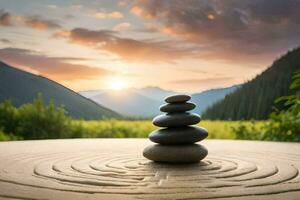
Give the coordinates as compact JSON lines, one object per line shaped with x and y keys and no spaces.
{"x":117,"y":83}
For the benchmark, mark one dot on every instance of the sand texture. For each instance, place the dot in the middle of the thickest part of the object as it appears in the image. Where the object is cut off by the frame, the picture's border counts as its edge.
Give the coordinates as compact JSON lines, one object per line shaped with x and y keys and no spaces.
{"x":115,"y":169}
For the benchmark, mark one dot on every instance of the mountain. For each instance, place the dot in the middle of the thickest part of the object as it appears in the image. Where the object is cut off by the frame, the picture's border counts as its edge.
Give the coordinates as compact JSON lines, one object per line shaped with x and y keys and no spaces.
{"x":255,"y":98}
{"x":128,"y":102}
{"x":207,"y":98}
{"x":22,"y":87}
{"x":155,"y":93}
{"x":145,"y":102}
{"x":90,"y":93}
{"x":133,"y":102}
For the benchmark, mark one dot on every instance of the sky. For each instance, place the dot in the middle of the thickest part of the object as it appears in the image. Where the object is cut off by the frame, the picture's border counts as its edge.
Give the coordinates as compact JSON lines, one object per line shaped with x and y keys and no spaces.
{"x":180,"y":45}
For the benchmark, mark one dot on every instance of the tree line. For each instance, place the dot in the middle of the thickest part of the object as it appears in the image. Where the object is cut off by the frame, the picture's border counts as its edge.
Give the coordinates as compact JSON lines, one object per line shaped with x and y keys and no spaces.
{"x":255,"y":98}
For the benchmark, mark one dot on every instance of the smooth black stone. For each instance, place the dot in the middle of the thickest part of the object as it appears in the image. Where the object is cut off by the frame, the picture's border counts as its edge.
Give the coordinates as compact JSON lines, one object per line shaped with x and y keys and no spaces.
{"x":178,"y":98}
{"x":176,"y":119}
{"x":178,"y":135}
{"x":175,"y":153}
{"x":177,"y":107}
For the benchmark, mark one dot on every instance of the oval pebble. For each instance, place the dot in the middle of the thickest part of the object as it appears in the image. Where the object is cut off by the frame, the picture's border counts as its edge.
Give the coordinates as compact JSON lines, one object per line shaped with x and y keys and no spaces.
{"x":178,"y":98}
{"x":178,"y":135}
{"x":176,"y":119}
{"x":175,"y":153}
{"x":177,"y":107}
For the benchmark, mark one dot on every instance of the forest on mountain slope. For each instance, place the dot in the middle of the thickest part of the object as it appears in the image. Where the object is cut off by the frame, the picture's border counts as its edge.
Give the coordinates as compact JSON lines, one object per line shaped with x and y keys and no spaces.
{"x":255,"y":98}
{"x":22,"y":87}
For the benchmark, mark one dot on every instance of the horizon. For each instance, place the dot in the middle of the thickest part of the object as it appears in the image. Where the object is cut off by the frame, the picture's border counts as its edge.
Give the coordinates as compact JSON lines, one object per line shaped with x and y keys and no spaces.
{"x":127,"y":88}
{"x":156,"y":87}
{"x":114,"y":45}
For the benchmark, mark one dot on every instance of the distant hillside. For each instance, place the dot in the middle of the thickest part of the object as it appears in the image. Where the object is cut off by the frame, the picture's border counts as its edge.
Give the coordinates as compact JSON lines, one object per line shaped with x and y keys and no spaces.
{"x":209,"y":97}
{"x":90,"y":93}
{"x":22,"y":87}
{"x":155,"y":93}
{"x":132,"y":102}
{"x":145,"y":102}
{"x":255,"y":98}
{"x":128,"y":102}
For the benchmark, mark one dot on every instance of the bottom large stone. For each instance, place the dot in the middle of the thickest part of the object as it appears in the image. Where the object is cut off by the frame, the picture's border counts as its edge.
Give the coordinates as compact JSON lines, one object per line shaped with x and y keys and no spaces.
{"x":175,"y":153}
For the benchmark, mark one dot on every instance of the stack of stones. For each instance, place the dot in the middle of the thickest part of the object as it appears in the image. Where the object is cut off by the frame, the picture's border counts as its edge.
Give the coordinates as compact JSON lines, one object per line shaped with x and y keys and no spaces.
{"x":176,"y":140}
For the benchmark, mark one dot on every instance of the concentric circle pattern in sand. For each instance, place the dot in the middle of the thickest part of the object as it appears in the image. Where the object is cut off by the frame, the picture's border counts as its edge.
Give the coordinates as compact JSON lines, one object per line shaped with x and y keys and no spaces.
{"x":115,"y":169}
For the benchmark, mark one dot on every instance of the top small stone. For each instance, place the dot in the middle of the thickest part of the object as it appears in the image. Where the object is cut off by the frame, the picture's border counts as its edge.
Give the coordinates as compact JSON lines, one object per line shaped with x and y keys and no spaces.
{"x":178,"y":98}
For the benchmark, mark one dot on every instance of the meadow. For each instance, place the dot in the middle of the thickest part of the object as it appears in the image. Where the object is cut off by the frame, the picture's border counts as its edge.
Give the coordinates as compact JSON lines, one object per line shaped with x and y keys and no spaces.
{"x":141,"y":129}
{"x":37,"y":120}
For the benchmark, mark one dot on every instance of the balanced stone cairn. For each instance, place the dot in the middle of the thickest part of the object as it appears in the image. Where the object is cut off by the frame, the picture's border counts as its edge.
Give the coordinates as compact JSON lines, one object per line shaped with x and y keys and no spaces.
{"x":176,"y":141}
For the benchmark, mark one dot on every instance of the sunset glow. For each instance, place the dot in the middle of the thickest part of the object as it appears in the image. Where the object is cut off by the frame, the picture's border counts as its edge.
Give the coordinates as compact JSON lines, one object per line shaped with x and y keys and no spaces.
{"x":183,"y":46}
{"x":117,"y":83}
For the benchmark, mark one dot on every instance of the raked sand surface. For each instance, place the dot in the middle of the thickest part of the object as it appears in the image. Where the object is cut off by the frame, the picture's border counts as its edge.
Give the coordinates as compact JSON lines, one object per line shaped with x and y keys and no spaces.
{"x":115,"y":169}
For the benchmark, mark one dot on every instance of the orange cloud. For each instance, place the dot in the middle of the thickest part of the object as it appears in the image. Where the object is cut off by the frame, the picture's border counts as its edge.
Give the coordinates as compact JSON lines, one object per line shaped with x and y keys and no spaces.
{"x":121,"y":26}
{"x":126,"y":48}
{"x":247,"y":30}
{"x":36,"y":22}
{"x":5,"y":18}
{"x":56,"y":68}
{"x":136,"y":10}
{"x":105,"y":15}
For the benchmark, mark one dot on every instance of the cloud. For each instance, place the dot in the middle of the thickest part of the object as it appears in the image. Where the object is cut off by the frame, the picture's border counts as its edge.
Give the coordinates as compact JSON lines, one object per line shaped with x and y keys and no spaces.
{"x":204,"y":81}
{"x":5,"y":41}
{"x":137,"y":11}
{"x":126,"y":48}
{"x":231,"y":29}
{"x":105,"y":15}
{"x":76,"y":6}
{"x":52,"y":6}
{"x":5,"y":18}
{"x":36,"y":22}
{"x":53,"y":67}
{"x":122,"y":3}
{"x":121,"y":26}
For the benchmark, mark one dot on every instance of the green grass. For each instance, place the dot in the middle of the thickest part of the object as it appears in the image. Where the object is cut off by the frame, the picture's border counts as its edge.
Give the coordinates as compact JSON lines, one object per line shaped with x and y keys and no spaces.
{"x":40,"y":121}
{"x":141,"y":129}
